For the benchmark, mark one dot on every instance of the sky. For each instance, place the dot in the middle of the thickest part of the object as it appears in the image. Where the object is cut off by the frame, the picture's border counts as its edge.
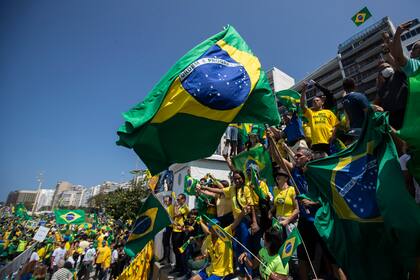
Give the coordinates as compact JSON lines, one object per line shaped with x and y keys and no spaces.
{"x":68,"y":69}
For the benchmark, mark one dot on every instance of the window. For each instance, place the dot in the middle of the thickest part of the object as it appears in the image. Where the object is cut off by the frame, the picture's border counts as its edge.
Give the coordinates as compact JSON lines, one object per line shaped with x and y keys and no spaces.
{"x":408,"y":35}
{"x":403,"y":38}
{"x":179,"y":179}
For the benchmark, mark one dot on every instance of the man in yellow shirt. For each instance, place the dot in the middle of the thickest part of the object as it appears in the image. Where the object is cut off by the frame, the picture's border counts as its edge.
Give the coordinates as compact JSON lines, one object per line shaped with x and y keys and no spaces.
{"x":323,"y":123}
{"x":219,"y":251}
{"x":180,"y":215}
{"x":106,"y":264}
{"x":102,"y":255}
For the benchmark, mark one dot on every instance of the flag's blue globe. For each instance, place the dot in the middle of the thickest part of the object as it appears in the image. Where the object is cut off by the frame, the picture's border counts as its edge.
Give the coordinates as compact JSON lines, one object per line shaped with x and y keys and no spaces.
{"x":70,"y":217}
{"x":143,"y":223}
{"x":216,"y":80}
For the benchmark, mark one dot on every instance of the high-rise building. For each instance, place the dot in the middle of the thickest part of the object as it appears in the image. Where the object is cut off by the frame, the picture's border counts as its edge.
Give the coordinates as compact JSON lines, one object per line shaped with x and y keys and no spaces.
{"x":357,"y":58}
{"x":45,"y":198}
{"x":409,"y":37}
{"x":26,"y":197}
{"x":59,"y":189}
{"x":279,"y":80}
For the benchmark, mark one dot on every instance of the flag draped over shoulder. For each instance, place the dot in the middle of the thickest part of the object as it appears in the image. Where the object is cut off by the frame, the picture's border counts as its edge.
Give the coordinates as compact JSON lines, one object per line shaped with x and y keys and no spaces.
{"x":258,"y":159}
{"x":183,"y":118}
{"x":410,"y":131}
{"x":368,"y":220}
{"x":69,"y":216}
{"x":152,"y":218}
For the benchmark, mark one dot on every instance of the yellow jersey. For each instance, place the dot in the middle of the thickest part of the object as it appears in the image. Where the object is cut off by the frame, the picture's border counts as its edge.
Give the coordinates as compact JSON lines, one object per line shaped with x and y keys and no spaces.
{"x":284,"y":201}
{"x":322,"y":124}
{"x":220,"y":254}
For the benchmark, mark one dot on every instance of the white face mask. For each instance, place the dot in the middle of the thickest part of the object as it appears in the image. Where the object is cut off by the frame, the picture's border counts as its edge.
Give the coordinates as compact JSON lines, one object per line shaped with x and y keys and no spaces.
{"x":387,"y":72}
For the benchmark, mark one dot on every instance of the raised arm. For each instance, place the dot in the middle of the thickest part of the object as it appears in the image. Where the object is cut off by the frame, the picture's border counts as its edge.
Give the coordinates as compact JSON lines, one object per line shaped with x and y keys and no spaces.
{"x":303,"y":97}
{"x":397,"y":49}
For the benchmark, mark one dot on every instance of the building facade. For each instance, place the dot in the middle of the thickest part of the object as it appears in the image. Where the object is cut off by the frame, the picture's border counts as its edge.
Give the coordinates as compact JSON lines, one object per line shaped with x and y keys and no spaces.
{"x":26,"y":197}
{"x":357,"y":58}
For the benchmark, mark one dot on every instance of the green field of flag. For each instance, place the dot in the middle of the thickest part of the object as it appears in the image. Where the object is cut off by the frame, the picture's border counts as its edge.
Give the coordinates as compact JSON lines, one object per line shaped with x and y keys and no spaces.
{"x":218,"y":82}
{"x":410,"y":130}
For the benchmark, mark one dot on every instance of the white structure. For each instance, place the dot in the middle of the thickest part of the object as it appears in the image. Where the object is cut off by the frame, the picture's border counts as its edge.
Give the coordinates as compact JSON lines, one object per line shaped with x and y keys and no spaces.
{"x":279,"y":80}
{"x":72,"y":197}
{"x":215,"y":164}
{"x":409,"y":37}
{"x":45,"y":198}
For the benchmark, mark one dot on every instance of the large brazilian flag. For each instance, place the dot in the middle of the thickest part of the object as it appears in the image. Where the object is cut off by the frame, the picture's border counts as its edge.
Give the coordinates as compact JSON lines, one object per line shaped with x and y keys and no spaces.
{"x":367,"y":219}
{"x":218,"y":82}
{"x":65,"y":217}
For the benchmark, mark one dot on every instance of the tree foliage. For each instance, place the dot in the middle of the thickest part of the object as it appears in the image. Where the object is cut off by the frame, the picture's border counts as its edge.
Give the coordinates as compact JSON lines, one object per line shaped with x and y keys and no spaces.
{"x":123,"y":204}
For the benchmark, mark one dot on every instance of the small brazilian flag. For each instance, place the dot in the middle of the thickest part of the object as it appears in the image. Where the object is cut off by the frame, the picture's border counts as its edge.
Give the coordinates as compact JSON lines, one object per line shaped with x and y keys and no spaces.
{"x":361,"y":16}
{"x":257,"y":159}
{"x":289,"y":99}
{"x":152,"y":219}
{"x":190,"y":185}
{"x":65,"y":217}
{"x":218,"y":82}
{"x":276,"y":225}
{"x":290,"y":246}
{"x":184,"y":246}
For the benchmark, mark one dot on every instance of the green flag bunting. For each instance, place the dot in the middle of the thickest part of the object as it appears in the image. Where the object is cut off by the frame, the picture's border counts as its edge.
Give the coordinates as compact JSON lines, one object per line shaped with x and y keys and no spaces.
{"x":69,"y":216}
{"x":368,"y":220}
{"x":152,"y":218}
{"x":218,"y":82}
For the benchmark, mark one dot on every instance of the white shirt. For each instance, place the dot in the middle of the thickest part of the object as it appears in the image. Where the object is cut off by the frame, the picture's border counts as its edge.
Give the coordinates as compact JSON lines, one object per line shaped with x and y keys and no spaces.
{"x":58,"y":254}
{"x":34,"y":257}
{"x":90,"y":255}
{"x":114,"y":256}
{"x":403,"y":162}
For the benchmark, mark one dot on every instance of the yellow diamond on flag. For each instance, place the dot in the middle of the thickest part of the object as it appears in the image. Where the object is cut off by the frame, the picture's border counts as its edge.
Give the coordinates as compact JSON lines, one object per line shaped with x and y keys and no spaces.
{"x":288,"y":248}
{"x":70,"y":216}
{"x":360,"y":18}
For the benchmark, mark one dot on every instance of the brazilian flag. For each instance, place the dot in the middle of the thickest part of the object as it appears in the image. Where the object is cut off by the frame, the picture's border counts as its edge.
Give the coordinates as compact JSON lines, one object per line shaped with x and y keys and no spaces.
{"x":218,"y":82}
{"x":361,"y":16}
{"x":290,"y":99}
{"x":367,"y":219}
{"x":290,"y":246}
{"x":152,"y":219}
{"x":257,"y":159}
{"x":65,"y":217}
{"x":21,"y":212}
{"x":190,"y":185}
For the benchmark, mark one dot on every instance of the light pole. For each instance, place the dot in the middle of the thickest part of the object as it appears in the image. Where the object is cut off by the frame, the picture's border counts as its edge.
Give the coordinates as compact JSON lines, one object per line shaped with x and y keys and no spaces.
{"x":39,"y":179}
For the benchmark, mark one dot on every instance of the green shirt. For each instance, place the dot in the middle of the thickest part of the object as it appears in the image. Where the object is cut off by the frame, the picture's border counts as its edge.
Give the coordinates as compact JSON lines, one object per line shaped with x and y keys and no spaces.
{"x":411,"y":67}
{"x":272,"y":264}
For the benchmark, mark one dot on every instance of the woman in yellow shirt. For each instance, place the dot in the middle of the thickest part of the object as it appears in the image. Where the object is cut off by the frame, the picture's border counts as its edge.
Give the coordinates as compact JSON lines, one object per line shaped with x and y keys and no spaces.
{"x":286,"y":208}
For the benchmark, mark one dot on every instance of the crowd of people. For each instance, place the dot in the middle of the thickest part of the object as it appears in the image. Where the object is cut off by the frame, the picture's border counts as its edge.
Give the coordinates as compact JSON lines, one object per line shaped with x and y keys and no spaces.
{"x":252,"y":243}
{"x":83,"y":251}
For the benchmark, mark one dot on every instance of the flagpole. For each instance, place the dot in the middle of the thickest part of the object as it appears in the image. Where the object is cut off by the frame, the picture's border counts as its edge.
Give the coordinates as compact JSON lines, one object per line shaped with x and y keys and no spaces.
{"x":237,"y":241}
{"x":278,"y":154}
